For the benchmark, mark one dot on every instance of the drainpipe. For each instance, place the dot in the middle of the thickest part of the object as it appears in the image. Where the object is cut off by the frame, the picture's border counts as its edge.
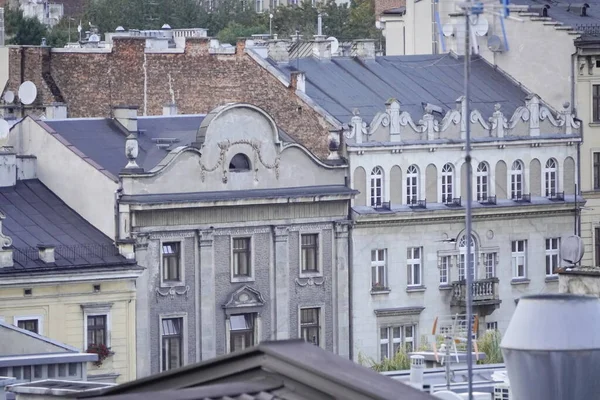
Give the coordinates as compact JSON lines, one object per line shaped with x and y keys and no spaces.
{"x":350,"y":280}
{"x":578,"y":187}
{"x":573,"y":62}
{"x":117,"y":219}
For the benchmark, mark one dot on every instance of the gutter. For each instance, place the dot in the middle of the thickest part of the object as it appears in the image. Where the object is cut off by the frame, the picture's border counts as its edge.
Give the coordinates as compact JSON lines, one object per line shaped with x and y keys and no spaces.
{"x":118,"y":194}
{"x":350,"y":281}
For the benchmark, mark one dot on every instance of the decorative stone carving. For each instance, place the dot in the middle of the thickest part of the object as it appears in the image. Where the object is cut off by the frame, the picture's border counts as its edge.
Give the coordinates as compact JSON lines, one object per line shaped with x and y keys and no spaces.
{"x":533,"y":104}
{"x":499,"y":123}
{"x":243,"y":297}
{"x":462,"y":104}
{"x":311,"y":281}
{"x":334,"y":145}
{"x":358,"y":127}
{"x":567,"y":119}
{"x":393,"y":110}
{"x":172,"y":291}
{"x":521,"y":113}
{"x":428,"y":123}
{"x":131,"y":151}
{"x":477,"y":118}
{"x":5,"y":241}
{"x":451,"y":117}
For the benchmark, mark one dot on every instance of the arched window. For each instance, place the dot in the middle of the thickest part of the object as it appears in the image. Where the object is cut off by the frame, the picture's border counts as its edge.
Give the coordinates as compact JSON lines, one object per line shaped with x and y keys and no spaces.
{"x":412,"y":185}
{"x":551,"y":178}
{"x":377,"y":187}
{"x":239,"y":162}
{"x":462,"y":257}
{"x":516,"y":180}
{"x":447,"y":183}
{"x":482,"y":176}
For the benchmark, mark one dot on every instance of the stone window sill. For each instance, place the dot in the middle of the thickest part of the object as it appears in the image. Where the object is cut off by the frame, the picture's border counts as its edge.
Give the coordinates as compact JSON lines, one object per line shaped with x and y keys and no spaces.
{"x":412,"y":289}
{"x":552,"y":278}
{"x":171,"y":284}
{"x":520,"y":281}
{"x":242,"y":279}
{"x":445,"y":286}
{"x":595,"y":124}
{"x":380,"y":291}
{"x":310,"y":275}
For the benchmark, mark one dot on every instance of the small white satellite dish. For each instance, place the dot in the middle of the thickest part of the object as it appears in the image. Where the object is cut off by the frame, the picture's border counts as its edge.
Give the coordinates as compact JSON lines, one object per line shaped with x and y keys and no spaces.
{"x":494,"y":43}
{"x":27,"y":92}
{"x":9,"y":96}
{"x":448,"y":30}
{"x":571,"y":249}
{"x":335,"y":45}
{"x":447,"y":395}
{"x":482,"y":26}
{"x":4,"y":128}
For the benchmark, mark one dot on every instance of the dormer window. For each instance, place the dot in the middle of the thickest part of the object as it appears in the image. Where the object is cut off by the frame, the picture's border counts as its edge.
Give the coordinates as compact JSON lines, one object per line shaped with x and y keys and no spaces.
{"x":239,"y":162}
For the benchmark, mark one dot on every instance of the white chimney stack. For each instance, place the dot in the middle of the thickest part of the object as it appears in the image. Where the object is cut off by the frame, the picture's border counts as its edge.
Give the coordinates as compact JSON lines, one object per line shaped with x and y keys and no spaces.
{"x":127,"y":117}
{"x":46,"y":253}
{"x":417,"y":366}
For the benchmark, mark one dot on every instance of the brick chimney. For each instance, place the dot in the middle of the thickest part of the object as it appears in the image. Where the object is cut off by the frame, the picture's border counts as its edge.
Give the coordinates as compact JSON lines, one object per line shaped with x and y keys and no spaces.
{"x":127,"y":117}
{"x":46,"y":253}
{"x":364,"y":48}
{"x":321,"y":48}
{"x":278,"y":50}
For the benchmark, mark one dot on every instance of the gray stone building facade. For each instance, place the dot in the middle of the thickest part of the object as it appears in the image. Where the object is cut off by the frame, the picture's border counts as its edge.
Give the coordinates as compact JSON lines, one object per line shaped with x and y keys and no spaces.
{"x":244,"y":237}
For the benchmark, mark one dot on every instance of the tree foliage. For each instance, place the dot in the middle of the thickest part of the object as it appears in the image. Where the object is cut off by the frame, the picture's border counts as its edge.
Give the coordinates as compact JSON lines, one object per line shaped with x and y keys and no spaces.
{"x":23,"y":30}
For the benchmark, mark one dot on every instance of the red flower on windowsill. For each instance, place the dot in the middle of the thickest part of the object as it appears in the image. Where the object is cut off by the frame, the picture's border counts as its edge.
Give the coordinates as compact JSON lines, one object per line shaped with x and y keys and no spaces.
{"x":102,"y":351}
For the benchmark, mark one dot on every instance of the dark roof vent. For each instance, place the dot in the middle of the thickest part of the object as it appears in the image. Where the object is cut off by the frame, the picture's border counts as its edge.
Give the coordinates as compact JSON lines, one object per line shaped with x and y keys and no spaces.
{"x":540,"y":9}
{"x":577,"y":8}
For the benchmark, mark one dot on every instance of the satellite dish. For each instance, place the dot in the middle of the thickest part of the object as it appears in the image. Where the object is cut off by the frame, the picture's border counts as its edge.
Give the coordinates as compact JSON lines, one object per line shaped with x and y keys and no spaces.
{"x":9,"y":96}
{"x":4,"y":128}
{"x":482,"y":26}
{"x":448,"y":30}
{"x":494,"y":43}
{"x":447,"y":395}
{"x":335,"y":45}
{"x":571,"y":249}
{"x":27,"y":92}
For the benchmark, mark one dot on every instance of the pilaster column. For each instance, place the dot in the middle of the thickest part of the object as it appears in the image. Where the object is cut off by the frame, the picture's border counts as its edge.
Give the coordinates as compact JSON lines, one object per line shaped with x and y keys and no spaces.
{"x":142,"y":308}
{"x":342,"y":285}
{"x":282,"y":282}
{"x":208,"y":317}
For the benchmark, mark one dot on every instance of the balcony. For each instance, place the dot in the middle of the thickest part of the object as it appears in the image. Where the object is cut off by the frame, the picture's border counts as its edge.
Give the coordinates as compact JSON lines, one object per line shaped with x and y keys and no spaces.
{"x":487,"y":200}
{"x":556,"y":196}
{"x":485,"y":295}
{"x":414,"y":203}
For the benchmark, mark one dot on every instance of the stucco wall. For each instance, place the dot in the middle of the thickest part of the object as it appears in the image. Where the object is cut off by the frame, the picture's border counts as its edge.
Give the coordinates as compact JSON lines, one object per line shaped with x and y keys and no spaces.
{"x":3,"y":66}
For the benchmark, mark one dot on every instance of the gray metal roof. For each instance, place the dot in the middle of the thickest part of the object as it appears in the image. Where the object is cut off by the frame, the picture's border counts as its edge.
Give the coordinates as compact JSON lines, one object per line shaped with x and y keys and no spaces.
{"x":570,"y":16}
{"x":103,"y":141}
{"x":228,"y":195}
{"x":343,"y":83}
{"x":35,"y":215}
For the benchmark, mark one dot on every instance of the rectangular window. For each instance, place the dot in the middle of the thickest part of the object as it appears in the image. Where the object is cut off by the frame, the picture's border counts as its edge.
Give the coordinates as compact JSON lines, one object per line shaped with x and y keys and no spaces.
{"x":491,"y":326}
{"x":171,"y":258}
{"x":31,"y":325}
{"x":96,"y":330}
{"x":72,"y":369}
{"x":378,"y":269}
{"x":259,"y":6}
{"x":596,"y":103}
{"x":596,"y":167}
{"x":241,"y":334}
{"x":172,"y":343}
{"x":310,"y":325}
{"x":62,"y":370}
{"x":27,"y":373}
{"x":489,"y":261}
{"x":519,"y":259}
{"x":37,"y":372}
{"x":242,"y":266}
{"x":310,"y":252}
{"x":51,"y":370}
{"x":392,"y":337}
{"x":445,"y":270}
{"x":552,"y":253}
{"x":413,"y":264}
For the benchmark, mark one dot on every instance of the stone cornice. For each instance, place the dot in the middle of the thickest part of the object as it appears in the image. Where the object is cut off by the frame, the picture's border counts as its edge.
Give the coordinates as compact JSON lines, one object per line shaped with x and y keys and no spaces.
{"x":400,"y":311}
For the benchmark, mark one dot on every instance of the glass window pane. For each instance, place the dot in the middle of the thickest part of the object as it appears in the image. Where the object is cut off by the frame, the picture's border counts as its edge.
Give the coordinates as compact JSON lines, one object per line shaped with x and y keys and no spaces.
{"x":72,"y":369}
{"x":238,"y":322}
{"x":383,"y":333}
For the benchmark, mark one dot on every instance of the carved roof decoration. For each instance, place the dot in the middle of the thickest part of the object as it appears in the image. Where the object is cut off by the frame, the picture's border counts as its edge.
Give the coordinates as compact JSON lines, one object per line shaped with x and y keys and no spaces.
{"x":243,"y":297}
{"x":394,"y":125}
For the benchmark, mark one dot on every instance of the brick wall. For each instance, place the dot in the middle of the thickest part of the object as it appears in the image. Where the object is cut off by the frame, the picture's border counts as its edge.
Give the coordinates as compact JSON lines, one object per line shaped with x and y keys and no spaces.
{"x":382,"y":5}
{"x":91,"y":83}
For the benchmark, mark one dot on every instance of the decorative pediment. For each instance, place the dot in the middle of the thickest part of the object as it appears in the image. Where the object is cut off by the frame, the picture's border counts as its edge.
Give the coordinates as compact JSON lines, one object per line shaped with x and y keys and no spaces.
{"x":245,"y":297}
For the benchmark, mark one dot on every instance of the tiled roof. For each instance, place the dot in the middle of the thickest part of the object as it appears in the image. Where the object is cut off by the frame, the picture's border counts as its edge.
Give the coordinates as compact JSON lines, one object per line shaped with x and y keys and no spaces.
{"x":35,"y":215}
{"x":342,"y":84}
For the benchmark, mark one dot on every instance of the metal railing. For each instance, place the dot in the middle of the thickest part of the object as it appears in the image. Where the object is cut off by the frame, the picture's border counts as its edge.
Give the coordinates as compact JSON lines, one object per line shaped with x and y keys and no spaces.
{"x":67,"y":252}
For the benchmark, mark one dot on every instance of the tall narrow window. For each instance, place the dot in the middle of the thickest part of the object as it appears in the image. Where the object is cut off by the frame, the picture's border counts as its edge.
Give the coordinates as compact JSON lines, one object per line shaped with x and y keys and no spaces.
{"x":391,"y":338}
{"x":171,"y":262}
{"x":596,"y":167}
{"x":241,"y":334}
{"x":378,"y":270}
{"x":414,"y":264}
{"x":412,"y":185}
{"x":516,"y":180}
{"x":462,"y":258}
{"x":242,"y":264}
{"x":550,"y":180}
{"x":552,"y":254}
{"x":489,"y":261}
{"x":376,"y":187}
{"x":596,"y":103}
{"x":96,"y":330}
{"x":310,"y":253}
{"x":447,"y":183}
{"x":445,"y":270}
{"x":310,"y":325}
{"x":172,"y":343}
{"x":482,"y":184}
{"x":259,"y":6}
{"x":597,"y":246}
{"x":519,"y":259}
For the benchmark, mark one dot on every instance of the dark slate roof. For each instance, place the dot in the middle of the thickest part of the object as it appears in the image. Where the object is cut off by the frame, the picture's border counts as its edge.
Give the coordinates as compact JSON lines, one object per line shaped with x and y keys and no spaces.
{"x":103,"y":141}
{"x":560,"y":11}
{"x":304,"y":191}
{"x":396,"y":10}
{"x":35,"y":215}
{"x":299,"y":364}
{"x":343,"y":83}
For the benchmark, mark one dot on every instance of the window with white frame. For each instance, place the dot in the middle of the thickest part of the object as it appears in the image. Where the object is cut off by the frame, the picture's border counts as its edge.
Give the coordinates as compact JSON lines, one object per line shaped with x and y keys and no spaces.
{"x":259,"y":6}
{"x":242,"y":258}
{"x":171,"y":259}
{"x":447,"y":183}
{"x":516,"y":180}
{"x":378,"y":269}
{"x":310,"y":325}
{"x":482,"y":176}
{"x":392,"y":337}
{"x":171,"y":343}
{"x":462,"y":258}
{"x":242,"y":331}
{"x":29,"y":324}
{"x":412,"y":185}
{"x":491,"y":326}
{"x":96,"y":317}
{"x":309,"y":244}
{"x":414,"y":266}
{"x":519,"y":259}
{"x":550,"y":178}
{"x":445,"y":262}
{"x":552,"y":256}
{"x":376,"y":187}
{"x":489,"y":262}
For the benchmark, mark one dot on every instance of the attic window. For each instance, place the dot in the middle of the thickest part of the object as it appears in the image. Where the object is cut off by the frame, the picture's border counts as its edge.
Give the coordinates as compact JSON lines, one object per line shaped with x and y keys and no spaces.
{"x":239,"y":162}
